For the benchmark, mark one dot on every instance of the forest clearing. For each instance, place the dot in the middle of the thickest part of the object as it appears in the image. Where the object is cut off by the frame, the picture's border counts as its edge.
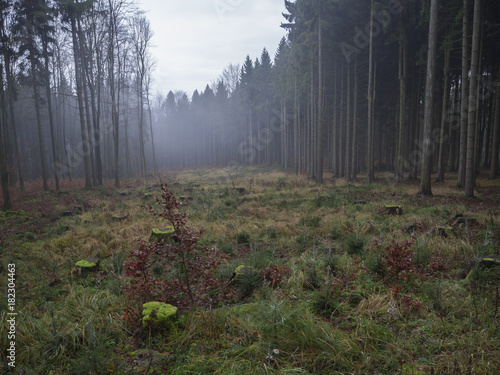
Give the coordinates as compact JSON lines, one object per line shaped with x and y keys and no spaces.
{"x":328,"y":205}
{"x":334,"y":280}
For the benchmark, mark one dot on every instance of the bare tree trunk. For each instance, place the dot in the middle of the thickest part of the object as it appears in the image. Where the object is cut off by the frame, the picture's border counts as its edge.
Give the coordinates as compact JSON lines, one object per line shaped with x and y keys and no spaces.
{"x":155,"y":165}
{"x":4,"y":173}
{"x":354,"y":156}
{"x":496,"y":135}
{"x":370,"y":173}
{"x":402,"y":104}
{"x":341,"y":125}
{"x":319,"y":155}
{"x":471,"y":123}
{"x":348,"y":127}
{"x":425,"y":180}
{"x":296,"y":137}
{"x":444,"y":116}
{"x":10,"y":95}
{"x":114,"y":88}
{"x":465,"y":91}
{"x":49,"y":108}
{"x":41,"y":142}
{"x":79,"y":94}
{"x":335,"y":123}
{"x":312,"y":136}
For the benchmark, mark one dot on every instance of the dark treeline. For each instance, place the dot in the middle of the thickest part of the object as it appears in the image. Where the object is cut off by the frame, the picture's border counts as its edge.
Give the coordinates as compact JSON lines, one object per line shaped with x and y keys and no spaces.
{"x":357,"y":86}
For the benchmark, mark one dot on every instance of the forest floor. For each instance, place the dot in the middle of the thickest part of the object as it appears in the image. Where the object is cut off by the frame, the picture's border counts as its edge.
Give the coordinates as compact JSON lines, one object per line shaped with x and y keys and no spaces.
{"x":338,"y":285}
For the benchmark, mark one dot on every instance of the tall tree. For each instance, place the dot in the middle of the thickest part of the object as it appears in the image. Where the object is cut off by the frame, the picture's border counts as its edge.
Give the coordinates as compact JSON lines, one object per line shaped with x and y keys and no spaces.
{"x":370,"y":96}
{"x":473,"y":104}
{"x":4,"y":172}
{"x":30,"y":22}
{"x":464,"y":96}
{"x":425,"y":179}
{"x":496,"y":134}
{"x":319,"y":146}
{"x":7,"y":46}
{"x":141,"y":40}
{"x":71,"y":11}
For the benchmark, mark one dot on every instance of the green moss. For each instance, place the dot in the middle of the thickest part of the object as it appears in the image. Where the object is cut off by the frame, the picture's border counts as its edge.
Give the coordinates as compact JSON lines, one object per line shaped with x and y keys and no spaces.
{"x":158,"y":314}
{"x":411,"y":369}
{"x":244,"y":270}
{"x":167,"y":230}
{"x":159,"y":234}
{"x":85,"y":264}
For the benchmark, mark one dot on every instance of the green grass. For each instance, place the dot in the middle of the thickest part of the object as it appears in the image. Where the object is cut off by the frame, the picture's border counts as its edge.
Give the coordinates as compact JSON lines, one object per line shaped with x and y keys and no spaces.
{"x":321,"y":299}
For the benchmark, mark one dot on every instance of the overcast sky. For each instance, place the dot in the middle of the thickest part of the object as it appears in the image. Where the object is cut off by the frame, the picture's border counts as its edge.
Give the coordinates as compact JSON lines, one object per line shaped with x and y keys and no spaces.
{"x":196,"y":39}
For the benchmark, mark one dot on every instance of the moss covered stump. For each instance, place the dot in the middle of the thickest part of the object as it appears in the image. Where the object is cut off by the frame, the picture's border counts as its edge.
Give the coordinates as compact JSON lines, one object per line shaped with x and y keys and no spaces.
{"x":88,"y":265}
{"x":158,"y":314}
{"x":490,"y":261}
{"x":158,"y":235}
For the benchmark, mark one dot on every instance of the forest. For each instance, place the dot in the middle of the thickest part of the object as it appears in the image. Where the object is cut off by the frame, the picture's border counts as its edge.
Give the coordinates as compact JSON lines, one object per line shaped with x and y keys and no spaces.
{"x":355,"y":87}
{"x":331,"y":209}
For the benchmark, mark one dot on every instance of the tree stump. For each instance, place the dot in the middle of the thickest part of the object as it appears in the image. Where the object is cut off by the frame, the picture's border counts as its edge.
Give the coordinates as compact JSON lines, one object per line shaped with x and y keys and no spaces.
{"x":393,"y":210}
{"x":119,"y":217}
{"x":158,"y":314}
{"x":158,"y":235}
{"x":88,"y":265}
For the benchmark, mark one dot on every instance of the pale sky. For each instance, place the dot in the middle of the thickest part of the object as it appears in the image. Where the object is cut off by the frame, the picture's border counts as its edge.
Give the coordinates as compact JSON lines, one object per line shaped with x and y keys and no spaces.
{"x":196,"y":39}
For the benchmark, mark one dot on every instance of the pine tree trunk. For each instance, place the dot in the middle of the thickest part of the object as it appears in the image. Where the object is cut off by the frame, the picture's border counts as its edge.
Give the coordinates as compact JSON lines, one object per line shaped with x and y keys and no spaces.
{"x":319,"y":156}
{"x":51,"y":116}
{"x":472,"y":107}
{"x":354,"y":123}
{"x":370,"y":173}
{"x":465,"y":91}
{"x":425,"y":180}
{"x":402,"y":104}
{"x":335,"y":123}
{"x":496,"y":135}
{"x":41,"y":142}
{"x":4,"y":171}
{"x":86,"y":86}
{"x":10,"y":95}
{"x":341,"y":126}
{"x":348,"y":127}
{"x":444,"y":116}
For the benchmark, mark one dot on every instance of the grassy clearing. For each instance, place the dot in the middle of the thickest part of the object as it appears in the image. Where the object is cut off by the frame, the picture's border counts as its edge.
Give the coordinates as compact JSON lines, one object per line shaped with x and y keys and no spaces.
{"x":337,"y":285}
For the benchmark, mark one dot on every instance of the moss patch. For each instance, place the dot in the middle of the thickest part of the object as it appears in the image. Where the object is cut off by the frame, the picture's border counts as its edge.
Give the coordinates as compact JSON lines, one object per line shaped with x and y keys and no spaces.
{"x":158,"y":314}
{"x":85,"y":264}
{"x":160,"y":234}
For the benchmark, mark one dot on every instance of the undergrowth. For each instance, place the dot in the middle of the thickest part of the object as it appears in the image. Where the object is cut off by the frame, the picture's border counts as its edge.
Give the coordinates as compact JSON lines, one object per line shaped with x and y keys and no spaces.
{"x":333,"y":285}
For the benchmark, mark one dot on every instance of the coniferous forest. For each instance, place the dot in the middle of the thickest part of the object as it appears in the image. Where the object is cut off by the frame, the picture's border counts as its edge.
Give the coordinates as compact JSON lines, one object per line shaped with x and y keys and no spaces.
{"x":331,"y":209}
{"x":355,"y":87}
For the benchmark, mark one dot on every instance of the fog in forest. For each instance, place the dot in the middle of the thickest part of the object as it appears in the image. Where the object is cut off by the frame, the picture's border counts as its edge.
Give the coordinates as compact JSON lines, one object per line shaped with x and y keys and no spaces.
{"x":354,"y":88}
